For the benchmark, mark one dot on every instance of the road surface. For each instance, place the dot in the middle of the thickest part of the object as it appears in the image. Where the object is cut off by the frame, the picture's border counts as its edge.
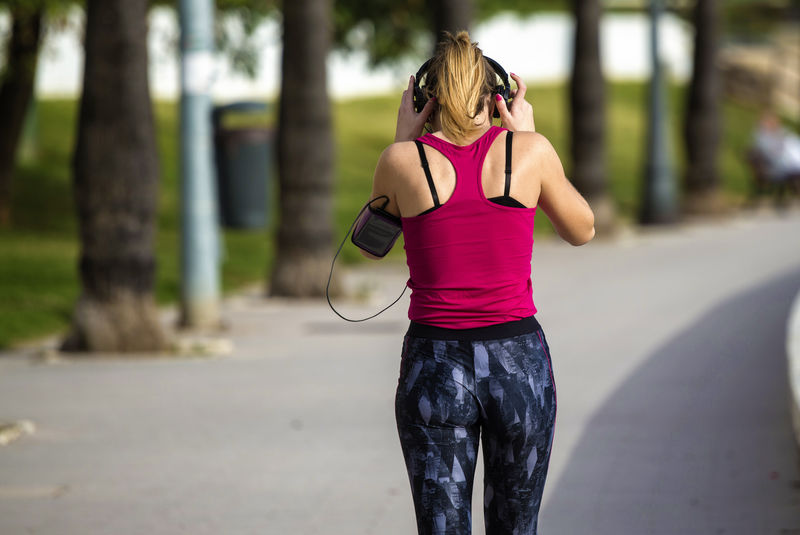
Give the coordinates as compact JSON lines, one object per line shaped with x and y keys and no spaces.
{"x":669,"y":362}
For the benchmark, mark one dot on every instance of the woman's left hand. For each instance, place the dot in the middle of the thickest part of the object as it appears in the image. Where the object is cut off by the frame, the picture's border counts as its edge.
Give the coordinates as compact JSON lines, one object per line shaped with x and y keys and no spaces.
{"x":518,"y":117}
{"x":409,"y":122}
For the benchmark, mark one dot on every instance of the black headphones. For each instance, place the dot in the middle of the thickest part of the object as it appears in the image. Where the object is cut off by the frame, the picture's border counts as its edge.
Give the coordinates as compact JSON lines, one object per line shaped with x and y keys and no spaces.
{"x":503,"y":88}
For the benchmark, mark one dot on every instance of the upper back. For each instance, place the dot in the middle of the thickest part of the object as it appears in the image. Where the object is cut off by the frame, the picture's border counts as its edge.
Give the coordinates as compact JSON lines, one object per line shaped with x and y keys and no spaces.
{"x":469,"y":259}
{"x":486,"y":156}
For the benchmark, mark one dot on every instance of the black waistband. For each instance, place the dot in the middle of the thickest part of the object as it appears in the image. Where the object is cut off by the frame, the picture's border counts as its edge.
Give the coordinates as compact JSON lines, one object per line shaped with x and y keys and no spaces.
{"x":490,"y":332}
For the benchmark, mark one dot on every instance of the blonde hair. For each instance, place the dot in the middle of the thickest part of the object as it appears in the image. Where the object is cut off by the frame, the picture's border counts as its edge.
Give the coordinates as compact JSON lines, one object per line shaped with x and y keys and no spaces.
{"x":460,"y":79}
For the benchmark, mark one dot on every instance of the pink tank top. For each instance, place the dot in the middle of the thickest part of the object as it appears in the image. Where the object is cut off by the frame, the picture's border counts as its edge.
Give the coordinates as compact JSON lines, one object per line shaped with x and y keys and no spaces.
{"x":469,"y":259}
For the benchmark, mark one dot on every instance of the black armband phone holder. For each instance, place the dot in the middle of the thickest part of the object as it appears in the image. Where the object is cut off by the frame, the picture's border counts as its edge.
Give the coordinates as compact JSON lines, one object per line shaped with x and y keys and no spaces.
{"x":376,"y":230}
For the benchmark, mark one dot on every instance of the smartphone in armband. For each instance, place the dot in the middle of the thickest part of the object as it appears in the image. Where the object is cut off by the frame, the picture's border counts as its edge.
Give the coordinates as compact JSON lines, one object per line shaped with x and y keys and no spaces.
{"x":377,"y":230}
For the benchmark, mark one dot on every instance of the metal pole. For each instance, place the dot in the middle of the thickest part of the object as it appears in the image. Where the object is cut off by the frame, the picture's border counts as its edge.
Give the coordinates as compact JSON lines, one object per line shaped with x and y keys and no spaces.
{"x":659,"y":199}
{"x":200,"y":249}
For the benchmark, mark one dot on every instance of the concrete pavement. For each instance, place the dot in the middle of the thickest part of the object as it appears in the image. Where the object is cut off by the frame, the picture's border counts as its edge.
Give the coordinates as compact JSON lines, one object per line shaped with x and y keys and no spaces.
{"x":672,"y":406}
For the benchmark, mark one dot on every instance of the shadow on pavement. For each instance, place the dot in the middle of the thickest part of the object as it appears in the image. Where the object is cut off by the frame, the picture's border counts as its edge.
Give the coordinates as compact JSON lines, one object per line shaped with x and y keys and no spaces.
{"x":698,"y":439}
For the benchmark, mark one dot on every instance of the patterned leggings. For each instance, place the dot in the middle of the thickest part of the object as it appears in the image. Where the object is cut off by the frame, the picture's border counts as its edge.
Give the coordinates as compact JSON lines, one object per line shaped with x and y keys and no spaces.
{"x":450,"y":392}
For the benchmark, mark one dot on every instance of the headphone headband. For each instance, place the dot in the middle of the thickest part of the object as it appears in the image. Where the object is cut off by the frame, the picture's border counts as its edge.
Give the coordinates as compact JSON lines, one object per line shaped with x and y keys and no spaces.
{"x":503,"y":89}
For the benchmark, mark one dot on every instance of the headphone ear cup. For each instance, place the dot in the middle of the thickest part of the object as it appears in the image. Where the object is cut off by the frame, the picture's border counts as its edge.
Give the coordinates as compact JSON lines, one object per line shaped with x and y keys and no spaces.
{"x":503,"y":92}
{"x":419,"y":99}
{"x":503,"y":88}
{"x":419,"y":94}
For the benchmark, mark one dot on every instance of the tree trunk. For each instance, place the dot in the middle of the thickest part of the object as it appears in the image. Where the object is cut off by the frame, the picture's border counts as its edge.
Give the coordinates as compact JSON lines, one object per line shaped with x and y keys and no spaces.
{"x":587,"y":115}
{"x":451,"y":16}
{"x":702,"y":121}
{"x":115,"y":181}
{"x":305,"y":153}
{"x":16,"y":91}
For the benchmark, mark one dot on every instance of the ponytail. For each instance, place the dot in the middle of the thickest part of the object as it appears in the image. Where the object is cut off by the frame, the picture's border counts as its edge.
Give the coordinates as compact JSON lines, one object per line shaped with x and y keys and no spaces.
{"x":460,"y":79}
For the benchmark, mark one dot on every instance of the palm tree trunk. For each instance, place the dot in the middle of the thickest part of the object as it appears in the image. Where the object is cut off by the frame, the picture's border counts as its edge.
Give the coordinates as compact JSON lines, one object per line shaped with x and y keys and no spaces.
{"x":587,"y":114}
{"x":702,"y":121}
{"x":16,"y":91}
{"x":451,"y":16}
{"x":305,"y":153}
{"x":115,"y":180}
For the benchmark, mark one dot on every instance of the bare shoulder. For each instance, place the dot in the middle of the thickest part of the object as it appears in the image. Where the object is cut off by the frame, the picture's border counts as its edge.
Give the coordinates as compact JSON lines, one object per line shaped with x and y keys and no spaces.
{"x":394,"y":162}
{"x":540,"y":155}
{"x":534,"y":144}
{"x":397,"y":153}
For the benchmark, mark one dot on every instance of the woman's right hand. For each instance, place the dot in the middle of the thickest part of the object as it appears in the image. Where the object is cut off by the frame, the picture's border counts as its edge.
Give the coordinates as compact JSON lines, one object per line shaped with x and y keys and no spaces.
{"x":409,"y":122}
{"x":518,"y":117}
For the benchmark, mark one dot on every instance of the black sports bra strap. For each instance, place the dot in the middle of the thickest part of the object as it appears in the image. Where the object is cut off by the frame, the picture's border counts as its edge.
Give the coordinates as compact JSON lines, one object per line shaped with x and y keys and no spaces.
{"x":427,"y":169}
{"x":508,"y":163}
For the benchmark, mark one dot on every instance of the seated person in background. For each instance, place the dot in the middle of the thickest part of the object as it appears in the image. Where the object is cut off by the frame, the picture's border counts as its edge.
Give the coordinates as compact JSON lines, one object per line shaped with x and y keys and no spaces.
{"x":774,"y":157}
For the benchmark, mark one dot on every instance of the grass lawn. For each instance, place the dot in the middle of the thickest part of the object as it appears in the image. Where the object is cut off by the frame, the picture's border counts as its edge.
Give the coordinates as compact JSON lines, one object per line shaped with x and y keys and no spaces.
{"x":38,"y":254}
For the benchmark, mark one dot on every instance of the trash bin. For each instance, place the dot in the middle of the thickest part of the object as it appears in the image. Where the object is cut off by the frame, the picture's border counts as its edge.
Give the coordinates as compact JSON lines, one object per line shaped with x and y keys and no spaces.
{"x":243,"y":151}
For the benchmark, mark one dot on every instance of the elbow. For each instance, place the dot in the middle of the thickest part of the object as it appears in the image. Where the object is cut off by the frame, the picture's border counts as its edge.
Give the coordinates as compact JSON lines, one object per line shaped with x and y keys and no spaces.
{"x":581,"y":239}
{"x":586,"y":234}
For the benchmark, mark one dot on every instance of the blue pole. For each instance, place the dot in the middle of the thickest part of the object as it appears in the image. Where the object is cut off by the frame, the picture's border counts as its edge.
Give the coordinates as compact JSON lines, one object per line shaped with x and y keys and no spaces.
{"x":200,"y":248}
{"x":659,"y":200}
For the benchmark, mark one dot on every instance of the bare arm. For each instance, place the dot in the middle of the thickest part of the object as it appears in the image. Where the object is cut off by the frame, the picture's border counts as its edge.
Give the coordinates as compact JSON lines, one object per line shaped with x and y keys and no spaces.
{"x":409,"y":126}
{"x":568,"y":211}
{"x":570,"y":214}
{"x":383,"y":184}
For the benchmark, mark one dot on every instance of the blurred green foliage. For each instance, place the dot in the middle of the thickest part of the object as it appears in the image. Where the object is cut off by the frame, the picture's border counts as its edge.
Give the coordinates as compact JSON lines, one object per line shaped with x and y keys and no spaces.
{"x":752,"y":20}
{"x":39,"y":251}
{"x":386,"y":29}
{"x":391,"y":29}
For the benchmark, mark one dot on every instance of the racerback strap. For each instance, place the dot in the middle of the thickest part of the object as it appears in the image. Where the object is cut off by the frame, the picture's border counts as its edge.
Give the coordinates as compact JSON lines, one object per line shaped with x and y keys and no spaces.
{"x":427,"y":169}
{"x":508,"y":163}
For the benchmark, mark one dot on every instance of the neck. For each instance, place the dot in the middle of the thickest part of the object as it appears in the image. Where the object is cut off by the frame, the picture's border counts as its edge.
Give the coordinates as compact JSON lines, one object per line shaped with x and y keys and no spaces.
{"x":483,"y":122}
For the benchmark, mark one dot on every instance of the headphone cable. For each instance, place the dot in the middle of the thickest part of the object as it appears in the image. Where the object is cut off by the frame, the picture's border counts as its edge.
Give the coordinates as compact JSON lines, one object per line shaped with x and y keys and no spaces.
{"x":330,"y":275}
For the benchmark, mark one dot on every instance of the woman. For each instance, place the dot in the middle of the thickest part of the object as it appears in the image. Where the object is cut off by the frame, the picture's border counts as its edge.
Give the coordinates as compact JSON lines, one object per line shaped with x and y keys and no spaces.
{"x":475,"y":363}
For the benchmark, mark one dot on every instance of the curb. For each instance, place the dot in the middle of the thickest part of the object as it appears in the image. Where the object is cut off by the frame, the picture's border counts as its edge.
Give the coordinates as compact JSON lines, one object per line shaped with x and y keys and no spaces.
{"x":793,"y":356}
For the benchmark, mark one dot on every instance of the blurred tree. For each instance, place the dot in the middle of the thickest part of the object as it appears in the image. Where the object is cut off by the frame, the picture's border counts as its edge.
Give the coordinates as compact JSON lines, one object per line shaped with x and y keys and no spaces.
{"x":235,"y":26}
{"x":386,"y":29}
{"x":451,"y":16}
{"x":22,"y":50}
{"x":115,"y":184}
{"x":702,"y":120}
{"x":754,"y":20}
{"x":587,"y":114}
{"x":16,"y":89}
{"x":305,"y":152}
{"x":390,"y":29}
{"x":489,"y":8}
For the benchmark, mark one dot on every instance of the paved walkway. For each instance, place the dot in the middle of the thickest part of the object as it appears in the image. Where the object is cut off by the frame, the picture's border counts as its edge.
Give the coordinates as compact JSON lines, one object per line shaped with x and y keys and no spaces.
{"x":668,"y":350}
